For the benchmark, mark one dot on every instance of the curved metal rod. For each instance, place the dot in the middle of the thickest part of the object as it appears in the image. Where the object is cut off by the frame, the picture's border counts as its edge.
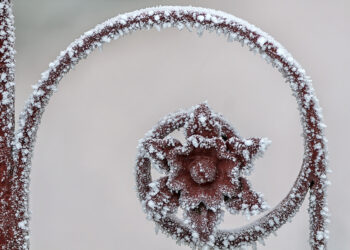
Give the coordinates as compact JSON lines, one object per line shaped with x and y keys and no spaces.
{"x":313,"y":171}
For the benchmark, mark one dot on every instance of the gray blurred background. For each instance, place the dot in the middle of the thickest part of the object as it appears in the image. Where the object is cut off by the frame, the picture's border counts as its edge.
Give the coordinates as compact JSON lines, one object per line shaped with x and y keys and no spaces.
{"x":82,"y":191}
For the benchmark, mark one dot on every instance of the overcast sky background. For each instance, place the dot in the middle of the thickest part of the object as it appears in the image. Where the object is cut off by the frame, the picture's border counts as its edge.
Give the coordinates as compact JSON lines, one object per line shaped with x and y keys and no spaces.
{"x":82,"y":191}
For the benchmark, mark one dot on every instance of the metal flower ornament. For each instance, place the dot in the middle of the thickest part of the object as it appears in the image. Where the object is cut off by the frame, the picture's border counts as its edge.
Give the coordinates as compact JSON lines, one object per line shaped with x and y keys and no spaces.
{"x":205,"y":174}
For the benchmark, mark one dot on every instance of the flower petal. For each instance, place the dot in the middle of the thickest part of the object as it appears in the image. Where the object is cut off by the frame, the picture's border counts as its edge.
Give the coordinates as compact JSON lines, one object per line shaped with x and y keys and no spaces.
{"x":161,"y":200}
{"x":195,"y":142}
{"x":203,"y":222}
{"x":247,"y":201}
{"x":201,"y":122}
{"x":160,"y":151}
{"x":208,"y":194}
{"x":227,"y":178}
{"x":179,"y":179}
{"x":246,"y":150}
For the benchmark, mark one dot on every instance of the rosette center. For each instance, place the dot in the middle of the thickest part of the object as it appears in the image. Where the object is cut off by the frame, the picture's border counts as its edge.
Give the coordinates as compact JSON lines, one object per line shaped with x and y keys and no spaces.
{"x":203,"y":170}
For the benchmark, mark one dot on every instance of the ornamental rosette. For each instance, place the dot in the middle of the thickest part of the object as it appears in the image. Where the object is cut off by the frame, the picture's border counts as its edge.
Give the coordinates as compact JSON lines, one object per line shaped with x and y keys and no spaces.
{"x":204,"y":174}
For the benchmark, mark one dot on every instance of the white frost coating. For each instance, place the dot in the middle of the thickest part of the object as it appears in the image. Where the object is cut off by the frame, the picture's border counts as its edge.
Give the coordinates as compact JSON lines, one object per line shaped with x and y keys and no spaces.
{"x":16,"y":217}
{"x":261,"y":41}
{"x":201,"y":19}
{"x":7,"y":78}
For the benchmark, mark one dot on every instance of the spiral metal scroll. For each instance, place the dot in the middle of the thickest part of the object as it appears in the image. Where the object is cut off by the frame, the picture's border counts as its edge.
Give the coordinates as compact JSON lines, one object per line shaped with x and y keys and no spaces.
{"x":312,"y":176}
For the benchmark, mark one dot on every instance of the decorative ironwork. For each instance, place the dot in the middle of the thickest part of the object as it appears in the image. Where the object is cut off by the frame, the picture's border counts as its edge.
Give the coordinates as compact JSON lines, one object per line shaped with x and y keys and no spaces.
{"x":16,"y":146}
